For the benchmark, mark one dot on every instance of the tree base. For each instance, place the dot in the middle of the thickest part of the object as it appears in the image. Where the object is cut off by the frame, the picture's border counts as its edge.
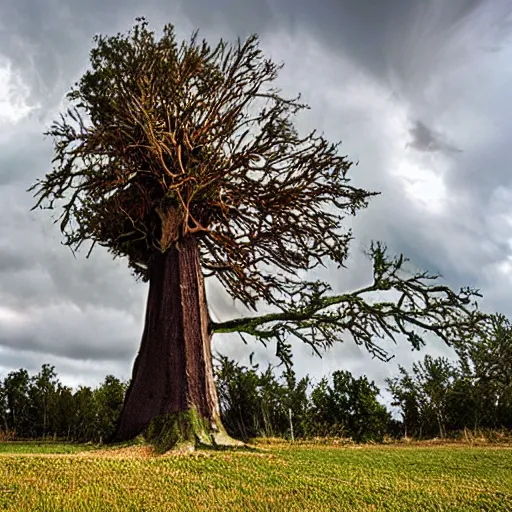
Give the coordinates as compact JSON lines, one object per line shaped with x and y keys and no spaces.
{"x":185,"y":431}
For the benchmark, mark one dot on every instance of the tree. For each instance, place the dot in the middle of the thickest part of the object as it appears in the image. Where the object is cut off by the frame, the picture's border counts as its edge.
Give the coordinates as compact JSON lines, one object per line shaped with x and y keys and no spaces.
{"x":64,"y":412}
{"x":42,"y":391}
{"x":463,"y":404}
{"x":427,"y":396}
{"x":486,"y":363}
{"x":435,"y":380}
{"x":85,"y":415}
{"x":406,"y":397}
{"x":109,"y":401}
{"x":349,"y":407}
{"x":4,"y":427}
{"x":296,"y":400}
{"x":239,"y":398}
{"x":16,"y":386}
{"x":256,"y":403}
{"x":185,"y":160}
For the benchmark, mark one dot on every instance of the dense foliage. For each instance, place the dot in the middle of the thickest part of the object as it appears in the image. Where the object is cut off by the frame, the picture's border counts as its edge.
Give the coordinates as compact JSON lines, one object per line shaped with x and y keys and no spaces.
{"x":40,"y":407}
{"x":438,"y":396}
{"x":163,"y":141}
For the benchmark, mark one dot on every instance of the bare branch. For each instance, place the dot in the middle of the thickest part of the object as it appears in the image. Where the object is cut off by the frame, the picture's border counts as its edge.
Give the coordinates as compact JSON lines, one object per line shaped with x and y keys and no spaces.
{"x":418,"y":307}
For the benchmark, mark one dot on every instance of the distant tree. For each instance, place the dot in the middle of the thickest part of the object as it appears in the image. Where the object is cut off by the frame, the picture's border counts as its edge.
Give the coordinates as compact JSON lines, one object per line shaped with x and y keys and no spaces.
{"x":185,"y":160}
{"x":274,"y":411}
{"x":486,"y":363}
{"x":63,"y":412}
{"x":349,"y":407}
{"x":255,"y":403}
{"x":369,"y":419}
{"x":42,"y":390}
{"x":3,"y":410}
{"x":423,"y":395}
{"x":109,"y":397}
{"x":323,"y":420}
{"x":406,"y":397}
{"x":435,"y":377}
{"x":296,"y":401}
{"x":239,"y":399}
{"x":464,"y":404}
{"x":85,"y":426}
{"x":16,"y":386}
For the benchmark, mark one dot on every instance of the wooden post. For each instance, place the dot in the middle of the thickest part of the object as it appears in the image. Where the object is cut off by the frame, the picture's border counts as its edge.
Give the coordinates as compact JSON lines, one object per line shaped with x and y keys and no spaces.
{"x":291,"y":424}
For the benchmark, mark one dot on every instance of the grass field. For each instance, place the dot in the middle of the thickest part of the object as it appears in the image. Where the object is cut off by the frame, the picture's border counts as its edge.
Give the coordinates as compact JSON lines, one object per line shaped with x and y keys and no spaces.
{"x":38,"y":477}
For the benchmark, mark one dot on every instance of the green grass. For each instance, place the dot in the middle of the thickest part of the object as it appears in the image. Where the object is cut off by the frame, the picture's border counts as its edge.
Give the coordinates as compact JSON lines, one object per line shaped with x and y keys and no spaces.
{"x":36,"y":447}
{"x":274,"y":477}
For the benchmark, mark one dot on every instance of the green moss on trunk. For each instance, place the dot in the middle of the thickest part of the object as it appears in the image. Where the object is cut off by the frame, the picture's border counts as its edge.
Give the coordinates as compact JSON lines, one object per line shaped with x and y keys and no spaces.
{"x":186,"y":430}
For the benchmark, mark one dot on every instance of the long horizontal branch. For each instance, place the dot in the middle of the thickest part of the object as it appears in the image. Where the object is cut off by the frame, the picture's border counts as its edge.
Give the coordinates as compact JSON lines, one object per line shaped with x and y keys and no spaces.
{"x":321,"y":320}
{"x":249,"y":325}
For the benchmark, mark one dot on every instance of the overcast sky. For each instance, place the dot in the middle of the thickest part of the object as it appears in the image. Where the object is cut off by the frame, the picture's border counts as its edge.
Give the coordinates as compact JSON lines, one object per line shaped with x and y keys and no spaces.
{"x":417,"y":90}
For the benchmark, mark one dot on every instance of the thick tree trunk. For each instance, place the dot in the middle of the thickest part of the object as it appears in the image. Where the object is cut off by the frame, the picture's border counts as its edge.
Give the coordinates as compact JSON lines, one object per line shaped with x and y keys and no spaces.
{"x":172,"y":375}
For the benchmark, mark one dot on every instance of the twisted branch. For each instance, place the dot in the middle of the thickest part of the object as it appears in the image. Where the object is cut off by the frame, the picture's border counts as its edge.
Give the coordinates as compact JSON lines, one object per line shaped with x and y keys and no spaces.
{"x":417,"y":308}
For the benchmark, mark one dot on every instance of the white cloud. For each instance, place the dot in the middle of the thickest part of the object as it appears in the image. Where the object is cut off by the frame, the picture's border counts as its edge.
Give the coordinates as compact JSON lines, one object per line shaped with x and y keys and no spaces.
{"x":10,"y":317}
{"x":422,"y":179}
{"x":372,"y":121}
{"x":14,"y":96}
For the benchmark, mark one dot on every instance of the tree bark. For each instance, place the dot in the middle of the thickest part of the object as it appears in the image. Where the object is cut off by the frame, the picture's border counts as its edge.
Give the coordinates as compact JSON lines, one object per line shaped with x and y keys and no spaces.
{"x":173,"y":373}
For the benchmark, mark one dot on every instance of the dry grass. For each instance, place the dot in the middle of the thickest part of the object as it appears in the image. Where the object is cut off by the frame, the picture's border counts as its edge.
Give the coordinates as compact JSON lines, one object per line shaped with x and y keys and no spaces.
{"x":274,"y":475}
{"x":127,"y":452}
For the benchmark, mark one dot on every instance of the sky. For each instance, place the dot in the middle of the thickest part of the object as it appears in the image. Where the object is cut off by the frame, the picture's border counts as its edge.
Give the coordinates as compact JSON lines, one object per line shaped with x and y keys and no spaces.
{"x":418,"y":91}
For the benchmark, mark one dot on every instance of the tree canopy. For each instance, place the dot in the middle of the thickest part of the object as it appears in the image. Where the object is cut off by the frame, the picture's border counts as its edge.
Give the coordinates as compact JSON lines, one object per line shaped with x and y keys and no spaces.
{"x":163,"y":141}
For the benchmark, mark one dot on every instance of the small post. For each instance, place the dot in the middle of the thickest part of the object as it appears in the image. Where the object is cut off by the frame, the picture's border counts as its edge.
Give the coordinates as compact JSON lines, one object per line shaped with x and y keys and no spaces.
{"x":291,"y":424}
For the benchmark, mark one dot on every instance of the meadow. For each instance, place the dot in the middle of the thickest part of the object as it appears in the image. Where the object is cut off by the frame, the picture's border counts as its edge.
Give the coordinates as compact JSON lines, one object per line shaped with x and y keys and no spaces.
{"x":272,"y":476}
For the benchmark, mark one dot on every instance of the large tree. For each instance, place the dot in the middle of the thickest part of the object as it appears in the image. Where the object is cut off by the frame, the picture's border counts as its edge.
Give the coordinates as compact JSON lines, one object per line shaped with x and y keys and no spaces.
{"x":184,"y":159}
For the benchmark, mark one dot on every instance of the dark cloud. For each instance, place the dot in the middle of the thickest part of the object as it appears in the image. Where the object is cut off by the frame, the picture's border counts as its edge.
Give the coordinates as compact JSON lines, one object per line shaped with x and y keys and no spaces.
{"x":390,"y":38}
{"x":49,"y":43}
{"x":425,"y":139}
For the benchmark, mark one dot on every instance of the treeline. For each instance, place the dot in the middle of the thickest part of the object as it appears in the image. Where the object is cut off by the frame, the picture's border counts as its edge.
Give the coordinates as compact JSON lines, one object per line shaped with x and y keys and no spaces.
{"x":268,"y":404}
{"x":39,"y":406}
{"x":438,"y":397}
{"x":434,"y":398}
{"x":253,"y":403}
